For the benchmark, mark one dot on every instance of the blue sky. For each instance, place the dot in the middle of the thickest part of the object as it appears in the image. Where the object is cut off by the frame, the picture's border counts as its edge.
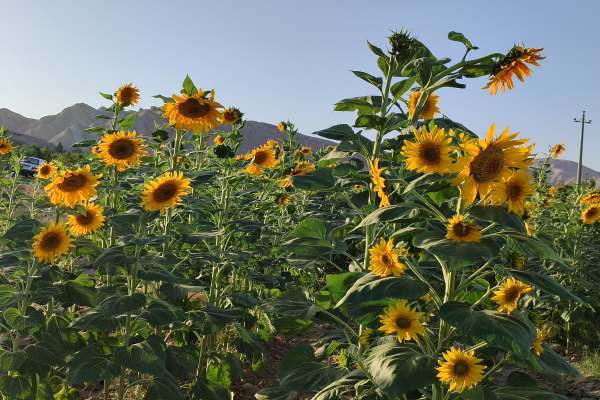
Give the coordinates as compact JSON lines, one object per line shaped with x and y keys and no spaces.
{"x":278,"y":59}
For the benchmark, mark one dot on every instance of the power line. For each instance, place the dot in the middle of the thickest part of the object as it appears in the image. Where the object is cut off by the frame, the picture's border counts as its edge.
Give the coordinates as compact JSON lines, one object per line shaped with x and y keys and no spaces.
{"x":580,"y":165}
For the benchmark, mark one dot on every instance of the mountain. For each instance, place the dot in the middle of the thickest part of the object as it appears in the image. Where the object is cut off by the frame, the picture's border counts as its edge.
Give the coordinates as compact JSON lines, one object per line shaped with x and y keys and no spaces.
{"x":68,"y":127}
{"x":563,"y":172}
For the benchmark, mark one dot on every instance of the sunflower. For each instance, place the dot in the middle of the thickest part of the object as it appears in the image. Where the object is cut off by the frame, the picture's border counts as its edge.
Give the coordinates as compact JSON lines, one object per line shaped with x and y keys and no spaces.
{"x":509,"y":294}
{"x":283,"y":200}
{"x":282,"y":126}
{"x":460,"y":369}
{"x":460,"y":229}
{"x":513,"y":189}
{"x":590,"y":199}
{"x":46,"y":170}
{"x":127,"y":95}
{"x":95,"y":150}
{"x":300,"y":169}
{"x":306,"y":151}
{"x":218,"y":140}
{"x":197,"y":113}
{"x":121,"y":149}
{"x":557,"y":150}
{"x":487,"y":161}
{"x":165,"y":191}
{"x":384,"y":259}
{"x":519,"y":263}
{"x":378,"y":182}
{"x":515,"y":63}
{"x":261,"y":158}
{"x":591,"y":214}
{"x":403,"y":321}
{"x":231,"y":116}
{"x":88,"y":221}
{"x":5,"y":146}
{"x":430,"y":108}
{"x":51,"y":242}
{"x":540,"y":337}
{"x":551,"y":193}
{"x":71,"y":187}
{"x":365,"y":336}
{"x":430,"y":152}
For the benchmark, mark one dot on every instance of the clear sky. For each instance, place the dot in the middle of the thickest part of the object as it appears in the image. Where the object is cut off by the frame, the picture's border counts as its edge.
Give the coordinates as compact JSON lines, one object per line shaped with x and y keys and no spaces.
{"x":278,"y":59}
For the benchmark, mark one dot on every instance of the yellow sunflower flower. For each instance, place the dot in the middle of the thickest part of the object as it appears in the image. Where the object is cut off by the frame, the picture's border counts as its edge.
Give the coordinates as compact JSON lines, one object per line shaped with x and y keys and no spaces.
{"x":165,"y":191}
{"x":460,"y":229}
{"x":306,"y":151}
{"x":121,"y":149}
{"x":514,"y":189}
{"x":261,"y":158}
{"x":281,"y":126}
{"x":540,"y":338}
{"x":515,"y":63}
{"x":378,"y":182}
{"x":46,"y":170}
{"x":460,"y":369}
{"x":591,"y":215}
{"x":87,"y":222}
{"x":231,"y":116}
{"x":128,"y":95}
{"x":283,"y":200}
{"x":6,"y":146}
{"x":365,"y":336}
{"x":487,"y":161}
{"x":71,"y":187}
{"x":590,"y":199}
{"x":218,"y":140}
{"x":196,"y":113}
{"x":509,"y":294}
{"x":557,"y":150}
{"x":430,"y":152}
{"x":401,"y":320}
{"x":430,"y":108}
{"x":51,"y":242}
{"x":384,"y":259}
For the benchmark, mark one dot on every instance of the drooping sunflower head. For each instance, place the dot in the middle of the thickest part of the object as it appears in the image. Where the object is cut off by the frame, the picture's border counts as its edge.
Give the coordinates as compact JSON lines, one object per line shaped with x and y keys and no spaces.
{"x":302,"y":168}
{"x":489,"y":160}
{"x":508,"y":295}
{"x":557,"y":150}
{"x":378,"y":182}
{"x":430,"y":108}
{"x":51,"y":242}
{"x":513,"y":64}
{"x":460,"y":229}
{"x":540,"y":338}
{"x":232,"y":116}
{"x":401,"y":320}
{"x":282,"y":126}
{"x":219,"y":139}
{"x":165,"y":191}
{"x":261,"y":158}
{"x":591,"y":214}
{"x":46,"y":170}
{"x":429,"y":152}
{"x":198,"y":113}
{"x":385,"y":259}
{"x":121,"y":149}
{"x":127,"y":95}
{"x":6,"y":146}
{"x":514,"y":190}
{"x":460,"y":369}
{"x":71,"y":187}
{"x":590,"y":199}
{"x":88,"y":221}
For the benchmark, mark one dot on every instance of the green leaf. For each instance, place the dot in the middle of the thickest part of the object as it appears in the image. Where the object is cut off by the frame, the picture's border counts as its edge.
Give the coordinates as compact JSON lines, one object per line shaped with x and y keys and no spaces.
{"x":499,"y":215}
{"x":553,"y":363}
{"x":89,"y":365}
{"x":458,"y":253}
{"x":22,"y":231}
{"x":94,"y":320}
{"x":127,"y":122}
{"x":300,"y":371}
{"x":386,"y":214}
{"x":337,"y":132}
{"x":188,"y":86}
{"x":321,"y":179}
{"x":85,"y":143}
{"x":225,"y":369}
{"x":401,"y":87}
{"x":16,"y":387}
{"x":165,"y":388}
{"x":533,"y":247}
{"x":339,"y":284}
{"x":503,"y":330}
{"x":147,"y":357}
{"x":120,"y":304}
{"x":521,"y":393}
{"x":107,"y":96}
{"x":459,"y":37}
{"x":362,"y":104}
{"x":204,"y":390}
{"x":397,"y":369}
{"x":546,"y":284}
{"x":375,"y":81}
{"x":376,"y":50}
{"x":11,"y":361}
{"x":310,"y":227}
{"x":165,"y":99}
{"x":159,"y":313}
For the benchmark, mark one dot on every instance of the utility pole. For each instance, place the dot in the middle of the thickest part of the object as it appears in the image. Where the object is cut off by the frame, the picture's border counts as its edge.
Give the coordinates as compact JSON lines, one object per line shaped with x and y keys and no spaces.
{"x":580,"y":165}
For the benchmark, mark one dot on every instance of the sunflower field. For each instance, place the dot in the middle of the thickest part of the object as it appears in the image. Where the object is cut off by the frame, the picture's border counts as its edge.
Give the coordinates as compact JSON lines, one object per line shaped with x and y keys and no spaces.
{"x":413,"y":259}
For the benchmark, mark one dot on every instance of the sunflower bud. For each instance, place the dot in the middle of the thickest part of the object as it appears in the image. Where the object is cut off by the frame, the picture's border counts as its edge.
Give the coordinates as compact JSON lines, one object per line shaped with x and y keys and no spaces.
{"x":223,"y":151}
{"x":402,"y":45}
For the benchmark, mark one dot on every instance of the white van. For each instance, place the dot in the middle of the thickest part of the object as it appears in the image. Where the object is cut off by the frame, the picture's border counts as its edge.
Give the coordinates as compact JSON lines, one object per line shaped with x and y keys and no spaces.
{"x":29,"y":165}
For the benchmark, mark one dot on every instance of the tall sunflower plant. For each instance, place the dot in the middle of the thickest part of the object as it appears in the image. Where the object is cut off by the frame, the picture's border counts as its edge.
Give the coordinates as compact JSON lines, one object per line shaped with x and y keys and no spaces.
{"x":430,"y":306}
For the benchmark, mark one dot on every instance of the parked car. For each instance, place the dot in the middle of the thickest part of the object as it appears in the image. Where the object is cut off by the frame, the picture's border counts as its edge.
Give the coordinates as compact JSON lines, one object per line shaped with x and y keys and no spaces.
{"x":29,"y":165}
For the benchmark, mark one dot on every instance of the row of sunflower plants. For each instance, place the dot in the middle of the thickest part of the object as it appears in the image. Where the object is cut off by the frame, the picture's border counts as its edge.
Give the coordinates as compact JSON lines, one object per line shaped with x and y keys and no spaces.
{"x":428,"y":303}
{"x":150,"y":269}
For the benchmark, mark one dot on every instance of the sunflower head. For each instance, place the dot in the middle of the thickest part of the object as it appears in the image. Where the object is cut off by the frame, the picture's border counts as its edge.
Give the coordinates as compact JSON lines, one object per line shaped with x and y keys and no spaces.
{"x":385,"y":259}
{"x":51,"y":242}
{"x":460,"y":369}
{"x":282,"y":126}
{"x":429,"y":152}
{"x":165,"y":191}
{"x":557,"y":150}
{"x":590,"y":199}
{"x":89,"y":220}
{"x":460,"y":229}
{"x":261,"y":158}
{"x":540,"y":338}
{"x":127,"y":95}
{"x":591,"y":214}
{"x":514,"y":189}
{"x":232,"y":116}
{"x":508,"y":295}
{"x":219,"y":139}
{"x":402,"y":44}
{"x":6,"y":146}
{"x":121,"y":149}
{"x":401,"y":320}
{"x":513,"y":64}
{"x":306,"y":151}
{"x":283,"y":200}
{"x":198,"y":112}
{"x":302,"y":168}
{"x":46,"y":170}
{"x":378,"y":182}
{"x":430,"y":108}
{"x":71,"y":187}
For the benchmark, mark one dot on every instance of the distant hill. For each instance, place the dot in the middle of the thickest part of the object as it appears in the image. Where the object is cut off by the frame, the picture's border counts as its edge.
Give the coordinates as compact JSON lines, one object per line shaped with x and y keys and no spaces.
{"x":563,"y":172}
{"x":68,"y":127}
